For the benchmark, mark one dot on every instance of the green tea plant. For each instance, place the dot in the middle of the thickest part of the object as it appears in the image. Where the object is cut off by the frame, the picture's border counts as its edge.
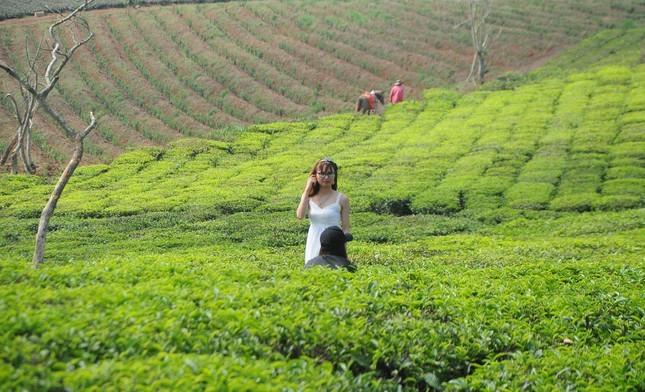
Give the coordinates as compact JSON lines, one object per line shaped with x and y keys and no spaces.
{"x":497,"y":235}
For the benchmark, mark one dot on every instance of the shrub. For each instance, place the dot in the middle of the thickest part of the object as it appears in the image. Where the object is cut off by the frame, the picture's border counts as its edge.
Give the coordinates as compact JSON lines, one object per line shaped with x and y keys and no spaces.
{"x":624,"y":186}
{"x":614,"y":75}
{"x":86,"y":172}
{"x":619,"y":202}
{"x":627,"y":162}
{"x":438,"y":201}
{"x":629,"y":150}
{"x":624,"y":172}
{"x":14,"y":183}
{"x":139,"y":156}
{"x":250,"y":143}
{"x":490,"y":185}
{"x":199,"y":145}
{"x":633,"y":118}
{"x":579,"y":202}
{"x":497,"y":376}
{"x":529,"y":195}
{"x":631,"y":133}
{"x":272,"y":128}
{"x":396,"y":207}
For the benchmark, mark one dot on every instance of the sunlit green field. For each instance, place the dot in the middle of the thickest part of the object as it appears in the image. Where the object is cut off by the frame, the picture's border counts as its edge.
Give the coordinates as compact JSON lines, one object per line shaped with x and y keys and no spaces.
{"x":499,"y":238}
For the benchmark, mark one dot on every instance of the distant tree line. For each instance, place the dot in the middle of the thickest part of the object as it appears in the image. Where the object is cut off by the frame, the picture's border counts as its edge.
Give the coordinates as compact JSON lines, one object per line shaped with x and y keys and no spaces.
{"x":13,"y":9}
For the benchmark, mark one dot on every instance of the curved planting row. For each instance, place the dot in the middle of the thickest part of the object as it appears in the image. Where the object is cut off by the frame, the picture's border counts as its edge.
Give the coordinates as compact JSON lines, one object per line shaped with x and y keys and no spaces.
{"x":112,"y":100}
{"x":262,"y":39}
{"x":344,"y":56}
{"x":231,"y":76}
{"x":269,"y":87}
{"x":353,"y":29}
{"x":334,"y":79}
{"x":182,"y":68}
{"x":350,"y":45}
{"x":156,"y":89}
{"x":251,"y":54}
{"x":192,"y":72}
{"x":70,"y":98}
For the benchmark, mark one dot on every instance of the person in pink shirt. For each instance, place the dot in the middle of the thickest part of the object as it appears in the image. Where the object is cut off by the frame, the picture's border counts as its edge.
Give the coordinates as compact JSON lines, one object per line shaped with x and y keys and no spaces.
{"x":396,"y":94}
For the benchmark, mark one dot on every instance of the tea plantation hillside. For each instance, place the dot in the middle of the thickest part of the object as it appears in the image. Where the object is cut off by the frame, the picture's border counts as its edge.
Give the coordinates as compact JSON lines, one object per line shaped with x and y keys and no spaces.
{"x":155,"y":74}
{"x":498,"y":236}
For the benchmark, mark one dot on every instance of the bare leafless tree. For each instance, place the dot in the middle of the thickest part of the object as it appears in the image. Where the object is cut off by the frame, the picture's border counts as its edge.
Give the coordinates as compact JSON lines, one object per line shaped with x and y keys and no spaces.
{"x":19,"y":147}
{"x":480,"y":32}
{"x":35,"y":92}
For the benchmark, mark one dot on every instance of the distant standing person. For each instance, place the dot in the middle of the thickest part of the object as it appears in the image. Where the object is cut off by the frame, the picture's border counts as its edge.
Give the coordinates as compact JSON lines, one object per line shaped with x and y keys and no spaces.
{"x":396,"y":93}
{"x":333,"y":250}
{"x":326,"y":206}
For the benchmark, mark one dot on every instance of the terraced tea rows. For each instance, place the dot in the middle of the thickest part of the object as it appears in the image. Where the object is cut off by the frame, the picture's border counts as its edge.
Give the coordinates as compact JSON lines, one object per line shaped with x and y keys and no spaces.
{"x":498,"y":237}
{"x":154,"y":74}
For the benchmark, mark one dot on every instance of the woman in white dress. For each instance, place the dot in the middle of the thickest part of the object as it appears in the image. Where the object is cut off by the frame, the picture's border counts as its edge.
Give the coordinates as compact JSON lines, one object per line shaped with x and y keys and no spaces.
{"x":326,"y":206}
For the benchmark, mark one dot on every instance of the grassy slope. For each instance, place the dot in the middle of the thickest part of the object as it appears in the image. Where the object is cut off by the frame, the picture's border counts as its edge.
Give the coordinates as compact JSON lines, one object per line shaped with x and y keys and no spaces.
{"x":181,"y":267}
{"x":158,"y":73}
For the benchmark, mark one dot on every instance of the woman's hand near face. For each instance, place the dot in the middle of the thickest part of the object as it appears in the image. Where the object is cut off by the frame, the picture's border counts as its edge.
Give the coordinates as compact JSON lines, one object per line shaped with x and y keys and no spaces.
{"x":301,"y":212}
{"x":311,"y":182}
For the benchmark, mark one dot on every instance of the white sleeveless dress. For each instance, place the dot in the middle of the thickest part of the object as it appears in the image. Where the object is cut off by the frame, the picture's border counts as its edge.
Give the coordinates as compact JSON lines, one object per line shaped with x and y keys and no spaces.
{"x":320,"y":218}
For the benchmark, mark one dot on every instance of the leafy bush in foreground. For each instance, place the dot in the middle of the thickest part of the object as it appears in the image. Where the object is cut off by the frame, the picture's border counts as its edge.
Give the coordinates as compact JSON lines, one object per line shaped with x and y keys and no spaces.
{"x":497,"y":234}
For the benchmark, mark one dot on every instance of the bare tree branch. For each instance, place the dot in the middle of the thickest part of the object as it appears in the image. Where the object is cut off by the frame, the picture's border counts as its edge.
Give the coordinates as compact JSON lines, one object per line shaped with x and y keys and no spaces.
{"x":14,"y":74}
{"x":60,"y":120}
{"x":480,"y":34}
{"x":8,"y":151}
{"x":53,"y":70}
{"x":32,"y":99}
{"x":16,"y":111}
{"x":458,"y":25}
{"x":91,"y":126}
{"x":48,"y":211}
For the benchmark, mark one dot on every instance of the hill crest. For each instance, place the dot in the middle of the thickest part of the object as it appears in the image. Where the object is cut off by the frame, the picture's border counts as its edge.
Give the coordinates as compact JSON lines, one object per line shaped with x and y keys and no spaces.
{"x":209,"y":70}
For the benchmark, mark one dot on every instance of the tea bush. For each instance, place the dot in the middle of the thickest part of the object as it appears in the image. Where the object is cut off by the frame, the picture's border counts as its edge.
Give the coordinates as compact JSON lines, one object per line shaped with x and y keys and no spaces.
{"x":497,"y":236}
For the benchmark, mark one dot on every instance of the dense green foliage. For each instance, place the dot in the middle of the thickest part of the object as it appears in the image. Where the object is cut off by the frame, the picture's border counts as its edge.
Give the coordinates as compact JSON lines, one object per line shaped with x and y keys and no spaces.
{"x":155,"y":74}
{"x":498,"y":236}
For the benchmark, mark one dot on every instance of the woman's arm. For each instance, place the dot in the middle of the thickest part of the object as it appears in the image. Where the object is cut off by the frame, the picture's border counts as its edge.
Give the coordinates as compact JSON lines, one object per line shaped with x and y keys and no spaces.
{"x":344,"y":213}
{"x":301,"y":213}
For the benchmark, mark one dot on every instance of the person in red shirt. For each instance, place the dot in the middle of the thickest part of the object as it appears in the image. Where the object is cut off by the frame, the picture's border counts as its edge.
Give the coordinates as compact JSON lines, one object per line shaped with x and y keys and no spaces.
{"x":396,"y":94}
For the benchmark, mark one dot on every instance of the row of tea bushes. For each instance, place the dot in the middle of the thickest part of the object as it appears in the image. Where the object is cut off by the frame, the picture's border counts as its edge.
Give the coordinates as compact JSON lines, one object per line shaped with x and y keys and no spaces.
{"x":164,"y":309}
{"x":181,"y":267}
{"x":552,"y":145}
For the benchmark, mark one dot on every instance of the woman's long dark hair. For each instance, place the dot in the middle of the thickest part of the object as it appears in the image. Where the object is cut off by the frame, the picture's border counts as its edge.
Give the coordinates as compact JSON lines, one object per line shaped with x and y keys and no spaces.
{"x":324,"y":164}
{"x":340,"y":250}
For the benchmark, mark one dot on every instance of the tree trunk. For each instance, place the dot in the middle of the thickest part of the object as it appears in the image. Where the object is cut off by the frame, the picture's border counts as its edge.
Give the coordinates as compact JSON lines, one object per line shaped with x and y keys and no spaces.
{"x":481,"y":66}
{"x":7,"y":156}
{"x":21,"y":150}
{"x":30,"y":161}
{"x":46,"y":215}
{"x":14,"y":164}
